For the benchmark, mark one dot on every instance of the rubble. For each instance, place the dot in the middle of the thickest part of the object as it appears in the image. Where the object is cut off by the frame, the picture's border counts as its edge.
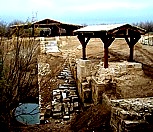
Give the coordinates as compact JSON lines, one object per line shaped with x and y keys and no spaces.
{"x":132,"y":114}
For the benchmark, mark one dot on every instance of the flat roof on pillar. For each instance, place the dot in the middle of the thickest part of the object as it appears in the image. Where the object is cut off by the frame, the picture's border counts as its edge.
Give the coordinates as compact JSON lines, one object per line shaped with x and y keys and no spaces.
{"x":116,"y":30}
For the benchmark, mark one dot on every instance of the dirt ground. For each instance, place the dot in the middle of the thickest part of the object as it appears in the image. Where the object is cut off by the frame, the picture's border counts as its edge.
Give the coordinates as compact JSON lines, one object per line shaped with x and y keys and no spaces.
{"x":134,"y":86}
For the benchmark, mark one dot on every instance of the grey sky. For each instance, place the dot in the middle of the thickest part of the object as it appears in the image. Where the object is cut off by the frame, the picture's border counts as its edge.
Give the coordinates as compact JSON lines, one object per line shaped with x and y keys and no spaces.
{"x":78,"y":11}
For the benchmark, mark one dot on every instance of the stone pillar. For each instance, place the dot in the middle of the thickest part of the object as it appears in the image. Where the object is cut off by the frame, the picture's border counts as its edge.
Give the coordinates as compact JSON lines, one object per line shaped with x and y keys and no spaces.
{"x":97,"y":90}
{"x":83,"y":71}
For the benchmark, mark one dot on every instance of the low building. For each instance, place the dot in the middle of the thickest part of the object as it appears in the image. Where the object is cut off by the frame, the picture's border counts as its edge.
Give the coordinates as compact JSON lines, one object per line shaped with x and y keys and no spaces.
{"x":147,"y":39}
{"x":46,"y":28}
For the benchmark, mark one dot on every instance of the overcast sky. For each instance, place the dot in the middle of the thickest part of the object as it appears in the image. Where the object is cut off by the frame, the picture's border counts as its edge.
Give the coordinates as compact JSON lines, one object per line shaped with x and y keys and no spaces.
{"x":78,"y":11}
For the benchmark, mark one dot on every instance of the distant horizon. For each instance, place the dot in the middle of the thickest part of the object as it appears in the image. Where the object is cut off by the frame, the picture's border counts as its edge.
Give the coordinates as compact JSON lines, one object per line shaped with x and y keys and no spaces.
{"x":90,"y":22}
{"x":78,"y":12}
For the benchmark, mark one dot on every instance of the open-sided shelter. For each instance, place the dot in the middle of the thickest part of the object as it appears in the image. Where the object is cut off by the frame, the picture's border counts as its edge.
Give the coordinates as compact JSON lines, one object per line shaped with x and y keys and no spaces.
{"x":108,"y":33}
{"x":49,"y":27}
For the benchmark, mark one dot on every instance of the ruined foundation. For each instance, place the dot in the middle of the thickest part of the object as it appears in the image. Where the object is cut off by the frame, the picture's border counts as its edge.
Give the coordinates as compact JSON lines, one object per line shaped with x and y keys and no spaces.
{"x":133,"y":114}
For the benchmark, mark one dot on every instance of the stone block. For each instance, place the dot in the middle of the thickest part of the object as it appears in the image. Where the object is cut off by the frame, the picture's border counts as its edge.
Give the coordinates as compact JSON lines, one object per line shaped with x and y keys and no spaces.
{"x":131,"y":125}
{"x":66,"y":100}
{"x":66,"y":117}
{"x":115,"y":110}
{"x":115,"y":121}
{"x":67,"y":110}
{"x":124,"y":115}
{"x":84,"y":62}
{"x":77,"y":111}
{"x":61,"y":77}
{"x":124,"y":105}
{"x":71,"y":108}
{"x":81,"y":73}
{"x":83,"y":69}
{"x":134,"y":65}
{"x":76,"y":105}
{"x":62,"y":87}
{"x":57,"y":115}
{"x":85,"y":85}
{"x":73,"y":93}
{"x":138,"y":66}
{"x":122,"y":68}
{"x":86,"y":95}
{"x":42,"y":116}
{"x":48,"y":113}
{"x":57,"y":108}
{"x":149,"y":118}
{"x":72,"y":87}
{"x":75,"y":99}
{"x":79,"y":88}
{"x":86,"y":105}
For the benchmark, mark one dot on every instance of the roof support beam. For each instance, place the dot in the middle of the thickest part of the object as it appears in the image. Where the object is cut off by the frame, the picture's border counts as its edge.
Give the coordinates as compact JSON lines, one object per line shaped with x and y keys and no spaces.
{"x":83,"y":40}
{"x":107,"y":40}
{"x":33,"y":30}
{"x":131,"y":41}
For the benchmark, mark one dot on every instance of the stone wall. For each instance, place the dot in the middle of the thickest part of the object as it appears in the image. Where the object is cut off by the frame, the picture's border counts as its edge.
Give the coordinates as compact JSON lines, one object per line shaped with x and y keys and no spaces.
{"x":114,"y":79}
{"x":132,"y":115}
{"x":105,"y":80}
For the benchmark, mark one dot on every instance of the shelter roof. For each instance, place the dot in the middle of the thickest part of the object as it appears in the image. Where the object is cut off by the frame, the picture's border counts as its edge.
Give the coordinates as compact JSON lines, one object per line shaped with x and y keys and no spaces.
{"x":109,"y":29}
{"x":46,"y":21}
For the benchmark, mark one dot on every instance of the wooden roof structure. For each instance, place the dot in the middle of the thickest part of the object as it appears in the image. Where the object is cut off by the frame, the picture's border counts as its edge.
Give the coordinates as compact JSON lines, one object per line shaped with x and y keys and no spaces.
{"x":108,"y":33}
{"x":48,"y":23}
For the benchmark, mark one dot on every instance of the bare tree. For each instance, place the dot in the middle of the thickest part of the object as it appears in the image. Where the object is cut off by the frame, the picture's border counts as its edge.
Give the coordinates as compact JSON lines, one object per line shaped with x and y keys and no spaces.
{"x":18,"y":75}
{"x":148,"y":26}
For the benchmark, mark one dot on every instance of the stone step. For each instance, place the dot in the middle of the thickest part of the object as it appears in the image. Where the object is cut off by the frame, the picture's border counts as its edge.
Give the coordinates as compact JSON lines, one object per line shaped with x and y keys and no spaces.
{"x":56,"y":92}
{"x":61,"y":87}
{"x":66,"y":117}
{"x":75,"y":99}
{"x":72,"y":87}
{"x":48,"y":113}
{"x":76,"y":105}
{"x":66,"y":100}
{"x":69,"y":103}
{"x":57,"y":115}
{"x":73,"y":93}
{"x":61,"y":77}
{"x":87,"y":105}
{"x":77,"y":111}
{"x":66,"y":84}
{"x":57,"y":108}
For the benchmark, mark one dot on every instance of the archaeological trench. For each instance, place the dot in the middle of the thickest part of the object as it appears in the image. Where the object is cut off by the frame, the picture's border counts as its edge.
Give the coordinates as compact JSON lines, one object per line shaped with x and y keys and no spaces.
{"x":81,"y":85}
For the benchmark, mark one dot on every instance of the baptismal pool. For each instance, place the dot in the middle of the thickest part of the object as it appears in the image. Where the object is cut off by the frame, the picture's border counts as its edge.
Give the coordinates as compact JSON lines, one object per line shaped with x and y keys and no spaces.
{"x":28,"y":113}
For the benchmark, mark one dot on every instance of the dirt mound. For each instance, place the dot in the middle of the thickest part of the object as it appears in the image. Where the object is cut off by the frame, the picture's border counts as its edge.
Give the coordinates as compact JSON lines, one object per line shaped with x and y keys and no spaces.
{"x":95,"y":118}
